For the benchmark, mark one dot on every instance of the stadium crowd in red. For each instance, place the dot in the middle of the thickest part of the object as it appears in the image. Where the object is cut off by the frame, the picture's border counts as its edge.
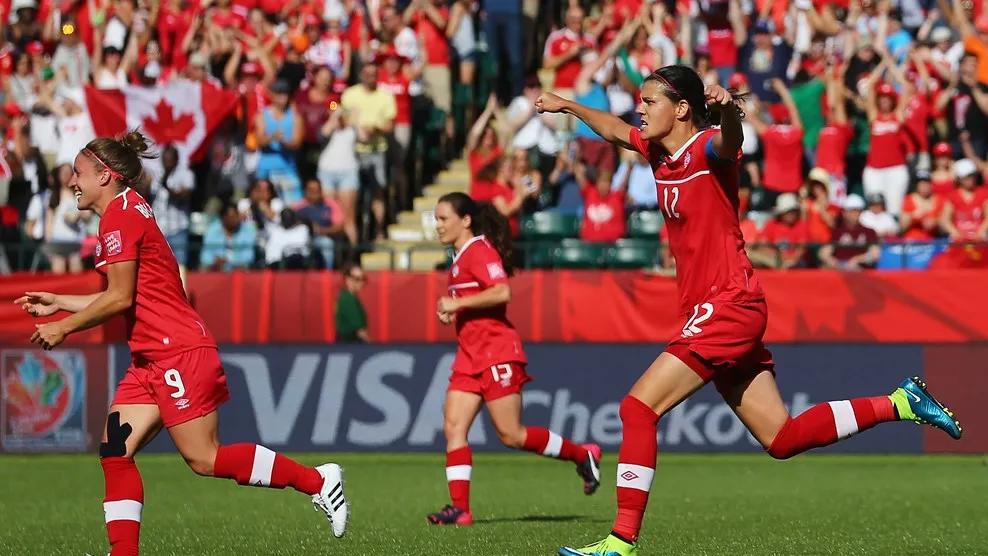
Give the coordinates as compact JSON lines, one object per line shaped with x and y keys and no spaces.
{"x":881,"y":104}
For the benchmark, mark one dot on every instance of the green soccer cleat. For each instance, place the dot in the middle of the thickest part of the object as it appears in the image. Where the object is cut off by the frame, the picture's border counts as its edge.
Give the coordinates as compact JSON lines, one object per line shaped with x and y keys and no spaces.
{"x":914,"y":403}
{"x":611,"y":546}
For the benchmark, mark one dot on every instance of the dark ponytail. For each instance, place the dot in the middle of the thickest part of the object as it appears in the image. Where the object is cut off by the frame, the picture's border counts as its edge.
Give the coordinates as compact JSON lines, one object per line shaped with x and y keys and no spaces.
{"x":683,"y":83}
{"x":485,"y":220}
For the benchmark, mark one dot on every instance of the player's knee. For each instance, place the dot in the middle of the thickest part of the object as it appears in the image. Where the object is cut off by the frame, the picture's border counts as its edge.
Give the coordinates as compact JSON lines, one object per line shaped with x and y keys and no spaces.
{"x":117,"y":434}
{"x":513,"y":438}
{"x":781,"y":446}
{"x":455,"y":430}
{"x":202,"y":466}
{"x":633,"y":411}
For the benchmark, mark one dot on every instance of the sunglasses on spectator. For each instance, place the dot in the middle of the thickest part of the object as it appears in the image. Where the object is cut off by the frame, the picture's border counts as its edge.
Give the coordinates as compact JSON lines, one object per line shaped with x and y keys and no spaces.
{"x":357,"y":277}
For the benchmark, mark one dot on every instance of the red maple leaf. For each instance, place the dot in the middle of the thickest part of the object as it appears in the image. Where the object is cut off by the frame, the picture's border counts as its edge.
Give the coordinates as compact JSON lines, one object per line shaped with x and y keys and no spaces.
{"x":164,"y":128}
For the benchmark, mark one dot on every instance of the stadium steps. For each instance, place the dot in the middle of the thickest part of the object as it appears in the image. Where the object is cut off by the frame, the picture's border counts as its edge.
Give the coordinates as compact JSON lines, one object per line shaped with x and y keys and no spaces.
{"x":411,"y":241}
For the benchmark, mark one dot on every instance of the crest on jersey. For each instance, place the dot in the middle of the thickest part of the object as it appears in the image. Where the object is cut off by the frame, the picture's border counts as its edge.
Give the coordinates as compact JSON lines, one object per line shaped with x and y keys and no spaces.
{"x":495,"y":271}
{"x":113,"y":242}
{"x":99,"y":248}
{"x":686,"y":161}
{"x":456,"y":271}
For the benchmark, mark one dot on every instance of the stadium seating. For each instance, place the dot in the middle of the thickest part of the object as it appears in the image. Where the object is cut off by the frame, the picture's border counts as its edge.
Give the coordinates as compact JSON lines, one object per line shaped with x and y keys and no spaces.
{"x":644,"y":224}
{"x":633,"y":253}
{"x":549,"y":225}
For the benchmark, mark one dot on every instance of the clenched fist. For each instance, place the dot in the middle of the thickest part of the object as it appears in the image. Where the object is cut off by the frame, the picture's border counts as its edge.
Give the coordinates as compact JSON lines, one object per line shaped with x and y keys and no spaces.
{"x":549,"y":103}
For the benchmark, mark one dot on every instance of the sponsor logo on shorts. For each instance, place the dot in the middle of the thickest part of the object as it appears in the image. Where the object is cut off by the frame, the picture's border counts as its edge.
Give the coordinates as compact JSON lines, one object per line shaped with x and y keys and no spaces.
{"x":182,"y":403}
{"x":114,"y":243}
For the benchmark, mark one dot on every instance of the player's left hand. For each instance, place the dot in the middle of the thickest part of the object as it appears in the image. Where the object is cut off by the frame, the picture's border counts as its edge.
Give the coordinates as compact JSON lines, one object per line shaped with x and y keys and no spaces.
{"x":445,"y":318}
{"x":717,"y":95}
{"x":48,"y":335}
{"x":447,"y":305}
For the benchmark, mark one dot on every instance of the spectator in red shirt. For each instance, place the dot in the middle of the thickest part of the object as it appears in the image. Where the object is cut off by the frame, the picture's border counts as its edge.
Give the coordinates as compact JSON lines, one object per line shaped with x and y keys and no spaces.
{"x":496,"y":185}
{"x":853,"y":246}
{"x":603,"y":207}
{"x":564,"y":49}
{"x":886,"y":171}
{"x":483,"y":145}
{"x":429,"y":19}
{"x":819,"y":207}
{"x":942,"y":178}
{"x":921,"y":210}
{"x":782,"y":143}
{"x":964,"y":213}
{"x":787,"y":235}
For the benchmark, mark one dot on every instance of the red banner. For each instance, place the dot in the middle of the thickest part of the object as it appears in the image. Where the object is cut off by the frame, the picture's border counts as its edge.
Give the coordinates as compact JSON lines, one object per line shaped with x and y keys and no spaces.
{"x":561,"y":306}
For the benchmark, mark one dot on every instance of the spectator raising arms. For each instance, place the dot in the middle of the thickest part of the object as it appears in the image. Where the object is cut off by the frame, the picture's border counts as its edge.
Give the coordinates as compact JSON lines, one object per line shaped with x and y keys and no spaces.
{"x":280,"y":132}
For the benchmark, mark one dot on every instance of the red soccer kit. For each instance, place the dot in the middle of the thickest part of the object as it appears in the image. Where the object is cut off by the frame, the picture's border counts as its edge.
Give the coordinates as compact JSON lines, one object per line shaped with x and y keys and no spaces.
{"x":783,"y":146}
{"x":720,"y":300}
{"x":969,"y":214}
{"x":831,"y":150}
{"x":489,"y":360}
{"x":175,"y":361}
{"x":887,"y":149}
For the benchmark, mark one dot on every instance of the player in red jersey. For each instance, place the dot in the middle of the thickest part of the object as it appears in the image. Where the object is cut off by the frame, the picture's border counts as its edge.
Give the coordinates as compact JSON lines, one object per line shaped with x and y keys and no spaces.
{"x":722,"y":304}
{"x":176,"y":379}
{"x":489,"y":368}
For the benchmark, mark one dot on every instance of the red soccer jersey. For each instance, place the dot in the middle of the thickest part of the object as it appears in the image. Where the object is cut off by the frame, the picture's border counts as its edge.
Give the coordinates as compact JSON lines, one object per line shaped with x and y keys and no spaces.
{"x":397,"y":85}
{"x":560,"y":42}
{"x":916,"y":128}
{"x":485,"y":336}
{"x":699,"y":199}
{"x":831,"y":150}
{"x":787,"y":238}
{"x":603,"y":216}
{"x":969,"y":212}
{"x":783,"y":158}
{"x":887,"y":149}
{"x":433,"y":38}
{"x":160,"y":323}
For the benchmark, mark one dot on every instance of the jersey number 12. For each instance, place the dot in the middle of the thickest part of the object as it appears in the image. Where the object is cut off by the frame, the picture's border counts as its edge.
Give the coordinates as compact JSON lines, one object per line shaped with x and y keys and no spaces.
{"x":670,"y":198}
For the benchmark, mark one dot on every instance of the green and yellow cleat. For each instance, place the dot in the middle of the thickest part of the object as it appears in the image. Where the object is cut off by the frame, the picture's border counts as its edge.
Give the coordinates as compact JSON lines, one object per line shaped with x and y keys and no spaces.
{"x":611,"y":546}
{"x":914,"y":402}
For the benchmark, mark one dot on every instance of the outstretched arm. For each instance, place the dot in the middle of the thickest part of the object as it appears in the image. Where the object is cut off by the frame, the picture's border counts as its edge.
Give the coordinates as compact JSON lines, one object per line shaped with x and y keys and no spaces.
{"x":728,"y":142}
{"x":611,"y":128}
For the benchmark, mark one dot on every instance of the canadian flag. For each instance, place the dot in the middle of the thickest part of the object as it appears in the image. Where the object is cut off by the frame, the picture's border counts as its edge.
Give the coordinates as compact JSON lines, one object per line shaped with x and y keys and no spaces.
{"x":180,"y":112}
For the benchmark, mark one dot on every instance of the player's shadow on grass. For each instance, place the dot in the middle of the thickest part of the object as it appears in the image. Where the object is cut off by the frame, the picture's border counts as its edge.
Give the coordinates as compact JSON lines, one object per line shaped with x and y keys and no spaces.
{"x":541,"y":519}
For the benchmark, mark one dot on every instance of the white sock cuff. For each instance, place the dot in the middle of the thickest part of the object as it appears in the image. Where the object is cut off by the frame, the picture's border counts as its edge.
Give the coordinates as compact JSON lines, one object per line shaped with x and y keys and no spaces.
{"x":123,"y":510}
{"x":458,"y":473}
{"x":554,"y":445}
{"x":260,"y":472}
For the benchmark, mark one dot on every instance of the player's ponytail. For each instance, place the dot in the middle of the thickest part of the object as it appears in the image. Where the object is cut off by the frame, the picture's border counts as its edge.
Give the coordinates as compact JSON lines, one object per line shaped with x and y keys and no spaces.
{"x":683,"y":83}
{"x":485,"y":220}
{"x":122,"y":157}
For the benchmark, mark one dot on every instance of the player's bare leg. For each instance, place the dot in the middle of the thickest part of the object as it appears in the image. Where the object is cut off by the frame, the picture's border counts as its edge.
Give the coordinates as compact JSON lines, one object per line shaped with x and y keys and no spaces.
{"x":667,"y":382}
{"x":251,"y":464}
{"x":506,"y":415}
{"x":128,"y":429}
{"x":758,"y":404}
{"x":459,"y":412}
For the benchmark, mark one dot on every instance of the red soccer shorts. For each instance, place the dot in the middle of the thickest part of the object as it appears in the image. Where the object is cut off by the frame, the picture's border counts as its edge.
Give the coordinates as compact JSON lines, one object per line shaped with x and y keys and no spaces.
{"x":722,"y":342}
{"x":496,"y":382}
{"x":184,"y":387}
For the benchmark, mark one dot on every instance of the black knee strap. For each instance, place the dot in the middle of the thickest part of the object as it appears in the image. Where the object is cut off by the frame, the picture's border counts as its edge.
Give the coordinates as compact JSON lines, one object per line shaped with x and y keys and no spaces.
{"x":116,"y":437}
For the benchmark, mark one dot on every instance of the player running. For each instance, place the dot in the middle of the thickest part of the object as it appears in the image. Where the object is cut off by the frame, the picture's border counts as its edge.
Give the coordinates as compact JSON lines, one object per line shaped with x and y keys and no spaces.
{"x":721,"y":301}
{"x":176,"y":379}
{"x":490,"y":364}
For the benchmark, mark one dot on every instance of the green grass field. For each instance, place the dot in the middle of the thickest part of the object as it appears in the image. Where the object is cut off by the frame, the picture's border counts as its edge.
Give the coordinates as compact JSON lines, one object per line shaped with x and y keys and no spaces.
{"x":523,"y":505}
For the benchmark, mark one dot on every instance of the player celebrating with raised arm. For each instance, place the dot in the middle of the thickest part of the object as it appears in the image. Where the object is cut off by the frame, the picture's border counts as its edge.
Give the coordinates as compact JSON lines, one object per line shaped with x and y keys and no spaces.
{"x":720,"y":300}
{"x":176,"y":379}
{"x":490,"y":364}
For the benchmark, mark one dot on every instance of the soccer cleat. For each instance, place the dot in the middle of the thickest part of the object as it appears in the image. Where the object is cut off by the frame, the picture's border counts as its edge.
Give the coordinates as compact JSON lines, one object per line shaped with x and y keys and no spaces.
{"x":611,"y":546}
{"x":331,"y":499}
{"x":914,"y":403}
{"x":451,"y":515}
{"x":589,"y":470}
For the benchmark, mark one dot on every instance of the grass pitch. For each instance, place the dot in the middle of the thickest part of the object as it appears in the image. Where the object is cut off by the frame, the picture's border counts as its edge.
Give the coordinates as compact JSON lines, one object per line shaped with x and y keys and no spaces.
{"x":524,"y":505}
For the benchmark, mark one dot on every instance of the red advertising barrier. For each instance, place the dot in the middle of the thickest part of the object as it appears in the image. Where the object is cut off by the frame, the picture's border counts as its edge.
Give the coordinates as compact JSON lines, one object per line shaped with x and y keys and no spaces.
{"x":945,"y":306}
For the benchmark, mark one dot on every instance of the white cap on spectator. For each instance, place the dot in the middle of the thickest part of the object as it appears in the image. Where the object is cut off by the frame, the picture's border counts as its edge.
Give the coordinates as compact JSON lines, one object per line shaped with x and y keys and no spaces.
{"x":333,"y":12}
{"x":21,"y":4}
{"x":820,"y":175}
{"x":964,"y":168}
{"x":786,"y":202}
{"x":152,"y":70}
{"x":853,"y":202}
{"x":199,"y":60}
{"x":941,"y":34}
{"x":74,"y":94}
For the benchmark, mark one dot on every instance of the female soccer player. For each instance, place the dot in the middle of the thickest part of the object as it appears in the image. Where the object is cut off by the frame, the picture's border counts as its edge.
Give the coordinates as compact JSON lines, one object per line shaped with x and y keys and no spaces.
{"x":490,"y":364}
{"x":176,"y":379}
{"x":721,"y":301}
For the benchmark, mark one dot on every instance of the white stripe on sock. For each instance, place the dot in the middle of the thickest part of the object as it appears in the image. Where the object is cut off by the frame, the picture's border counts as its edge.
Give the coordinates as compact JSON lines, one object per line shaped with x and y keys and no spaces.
{"x":553,"y":446}
{"x":458,"y":473}
{"x":637,"y":477}
{"x":847,"y":423}
{"x":260,"y":472}
{"x":123,"y":510}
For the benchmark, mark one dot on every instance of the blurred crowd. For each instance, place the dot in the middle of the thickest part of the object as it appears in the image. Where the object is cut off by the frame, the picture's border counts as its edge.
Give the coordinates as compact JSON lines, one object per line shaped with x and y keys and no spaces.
{"x":866,"y":120}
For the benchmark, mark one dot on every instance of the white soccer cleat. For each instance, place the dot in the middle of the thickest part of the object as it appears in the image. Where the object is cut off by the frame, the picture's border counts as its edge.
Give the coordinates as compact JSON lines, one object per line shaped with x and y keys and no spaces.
{"x":331,"y":499}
